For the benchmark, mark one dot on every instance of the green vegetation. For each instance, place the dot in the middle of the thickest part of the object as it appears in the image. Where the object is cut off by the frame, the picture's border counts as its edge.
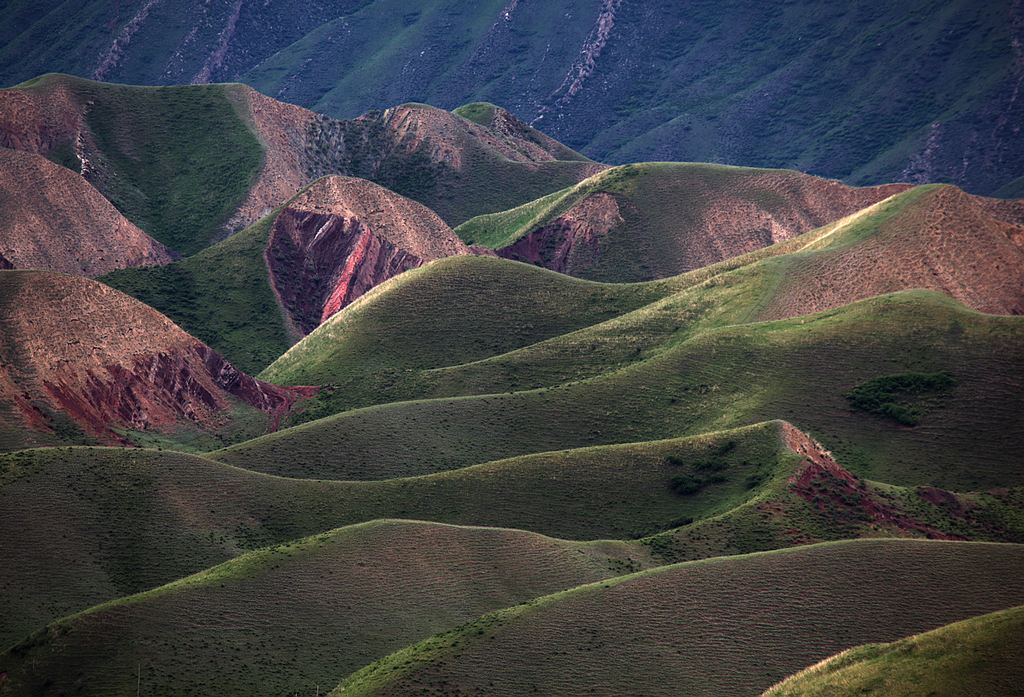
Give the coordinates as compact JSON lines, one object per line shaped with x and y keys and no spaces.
{"x":176,"y":161}
{"x":481,"y":113}
{"x":221,"y":295}
{"x":652,"y":632}
{"x":977,"y":656}
{"x":284,"y":619}
{"x":887,"y":395}
{"x":798,"y":369}
{"x":367,"y":354}
{"x":140,"y":518}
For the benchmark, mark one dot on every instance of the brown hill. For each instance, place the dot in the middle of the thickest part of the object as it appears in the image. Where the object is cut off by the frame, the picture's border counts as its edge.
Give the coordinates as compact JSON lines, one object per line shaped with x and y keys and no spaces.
{"x":52,"y":218}
{"x":934,"y":237}
{"x":78,"y":355}
{"x":654,"y":220}
{"x":343,"y":236}
{"x":110,"y":132}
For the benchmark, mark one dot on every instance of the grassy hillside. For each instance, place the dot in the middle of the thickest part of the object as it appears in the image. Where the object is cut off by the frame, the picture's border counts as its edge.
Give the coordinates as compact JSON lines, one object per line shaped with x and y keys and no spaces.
{"x":287,"y":618}
{"x":653,"y":220}
{"x":930,"y":237}
{"x":221,"y":295}
{"x":726,"y":626}
{"x":800,"y":369}
{"x":454,"y":311}
{"x":131,"y":520}
{"x":176,"y":161}
{"x":972,"y":657}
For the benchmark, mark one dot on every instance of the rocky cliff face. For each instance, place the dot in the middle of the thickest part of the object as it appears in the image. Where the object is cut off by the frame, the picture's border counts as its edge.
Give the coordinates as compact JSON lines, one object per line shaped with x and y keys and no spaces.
{"x":342,"y":237}
{"x":76,"y":349}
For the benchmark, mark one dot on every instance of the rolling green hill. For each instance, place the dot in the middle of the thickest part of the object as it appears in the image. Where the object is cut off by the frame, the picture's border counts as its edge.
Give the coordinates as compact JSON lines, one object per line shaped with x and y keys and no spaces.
{"x":972,"y":657}
{"x":725,"y":626}
{"x":928,"y":237}
{"x":287,"y":618}
{"x":132,"y":520}
{"x":800,"y":369}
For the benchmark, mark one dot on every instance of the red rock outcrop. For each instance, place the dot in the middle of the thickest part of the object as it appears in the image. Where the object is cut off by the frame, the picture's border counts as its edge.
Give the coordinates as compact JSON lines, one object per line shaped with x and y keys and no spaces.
{"x":342,"y":237}
{"x":832,"y":490}
{"x":73,"y":346}
{"x":573,"y":239}
{"x":52,"y":218}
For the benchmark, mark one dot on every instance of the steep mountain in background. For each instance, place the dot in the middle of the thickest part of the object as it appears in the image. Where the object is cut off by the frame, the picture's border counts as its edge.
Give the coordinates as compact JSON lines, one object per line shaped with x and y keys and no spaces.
{"x":652,"y":220}
{"x":79,"y":360}
{"x":977,"y":656}
{"x":51,"y":218}
{"x":922,"y":91}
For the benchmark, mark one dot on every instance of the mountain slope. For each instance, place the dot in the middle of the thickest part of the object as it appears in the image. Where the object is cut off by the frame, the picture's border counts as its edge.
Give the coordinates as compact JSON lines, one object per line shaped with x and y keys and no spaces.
{"x":652,"y":632}
{"x":176,"y":161}
{"x":115,"y":369}
{"x":50,"y":218}
{"x":924,"y":90}
{"x":336,"y":601}
{"x":108,"y":522}
{"x":653,"y":220}
{"x":927,"y":237}
{"x":975,"y":656}
{"x":192,"y":164}
{"x":254,"y":294}
{"x":801,"y":369}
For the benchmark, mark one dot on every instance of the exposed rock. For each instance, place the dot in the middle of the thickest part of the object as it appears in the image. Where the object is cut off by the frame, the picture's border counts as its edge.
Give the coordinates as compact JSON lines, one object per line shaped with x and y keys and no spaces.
{"x":342,"y":237}
{"x":571,"y":240}
{"x":108,"y":362}
{"x":832,"y":490}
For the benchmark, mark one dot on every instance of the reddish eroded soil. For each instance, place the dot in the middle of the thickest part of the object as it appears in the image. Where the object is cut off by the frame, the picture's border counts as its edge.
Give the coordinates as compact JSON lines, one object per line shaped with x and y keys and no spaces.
{"x":965,"y":246}
{"x":832,"y":490}
{"x":669,"y":219}
{"x":39,"y":120}
{"x":52,"y":218}
{"x":108,"y":361}
{"x":282,"y":129}
{"x":342,"y":237}
{"x":570,"y":240}
{"x":447,"y":138}
{"x":762,"y":208}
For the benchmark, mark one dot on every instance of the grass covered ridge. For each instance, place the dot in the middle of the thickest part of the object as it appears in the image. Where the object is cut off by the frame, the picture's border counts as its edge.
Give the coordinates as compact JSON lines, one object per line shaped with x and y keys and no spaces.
{"x":651,"y":632}
{"x":977,"y":656}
